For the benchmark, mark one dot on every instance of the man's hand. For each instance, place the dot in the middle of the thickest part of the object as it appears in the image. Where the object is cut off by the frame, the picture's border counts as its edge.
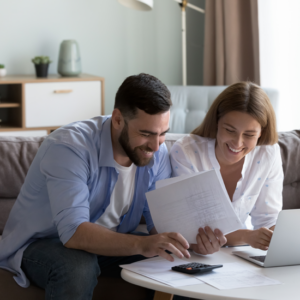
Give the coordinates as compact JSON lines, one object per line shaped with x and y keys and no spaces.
{"x":259,"y":238}
{"x":208,"y":241}
{"x":157,"y":244}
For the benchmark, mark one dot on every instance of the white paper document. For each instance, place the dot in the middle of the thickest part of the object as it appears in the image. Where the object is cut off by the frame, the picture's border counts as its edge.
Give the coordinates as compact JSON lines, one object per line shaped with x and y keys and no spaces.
{"x":234,"y":276}
{"x":186,"y":203}
{"x":160,"y":270}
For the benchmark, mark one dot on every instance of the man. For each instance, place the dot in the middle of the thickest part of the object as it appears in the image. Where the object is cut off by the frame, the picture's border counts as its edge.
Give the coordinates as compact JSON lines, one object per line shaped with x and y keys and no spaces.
{"x":85,"y":190}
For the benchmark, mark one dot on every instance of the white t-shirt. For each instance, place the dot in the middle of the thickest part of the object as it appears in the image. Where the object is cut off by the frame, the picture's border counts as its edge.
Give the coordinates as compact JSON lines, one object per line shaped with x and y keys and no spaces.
{"x":121,"y":197}
{"x":259,"y":190}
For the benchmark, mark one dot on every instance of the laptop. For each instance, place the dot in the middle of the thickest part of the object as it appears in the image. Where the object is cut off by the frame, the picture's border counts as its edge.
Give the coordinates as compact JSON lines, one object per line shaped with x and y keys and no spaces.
{"x":284,"y":248}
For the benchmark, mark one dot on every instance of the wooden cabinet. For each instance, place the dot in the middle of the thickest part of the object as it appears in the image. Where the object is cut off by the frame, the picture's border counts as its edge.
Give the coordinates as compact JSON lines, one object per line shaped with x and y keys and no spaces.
{"x":31,"y":106}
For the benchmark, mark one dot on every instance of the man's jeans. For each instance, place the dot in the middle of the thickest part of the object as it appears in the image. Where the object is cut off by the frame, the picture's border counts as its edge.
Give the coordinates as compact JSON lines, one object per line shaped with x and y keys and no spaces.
{"x":68,"y":273}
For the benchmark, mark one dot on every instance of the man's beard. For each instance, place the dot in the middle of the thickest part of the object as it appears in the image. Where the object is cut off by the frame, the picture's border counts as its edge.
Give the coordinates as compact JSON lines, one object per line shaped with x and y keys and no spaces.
{"x":133,"y":153}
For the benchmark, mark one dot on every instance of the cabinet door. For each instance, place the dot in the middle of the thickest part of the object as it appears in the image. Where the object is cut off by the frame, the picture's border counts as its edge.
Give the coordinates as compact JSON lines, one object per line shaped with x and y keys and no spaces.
{"x":58,"y":103}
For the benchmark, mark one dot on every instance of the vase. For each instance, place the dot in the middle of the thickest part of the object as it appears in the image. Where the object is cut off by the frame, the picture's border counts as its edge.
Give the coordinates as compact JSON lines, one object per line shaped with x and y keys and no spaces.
{"x":2,"y":72}
{"x":69,"y":62}
{"x":41,"y":70}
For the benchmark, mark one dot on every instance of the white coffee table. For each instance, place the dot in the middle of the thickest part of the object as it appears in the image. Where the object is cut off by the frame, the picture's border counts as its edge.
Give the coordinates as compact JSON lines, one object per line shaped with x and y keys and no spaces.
{"x":288,"y":290}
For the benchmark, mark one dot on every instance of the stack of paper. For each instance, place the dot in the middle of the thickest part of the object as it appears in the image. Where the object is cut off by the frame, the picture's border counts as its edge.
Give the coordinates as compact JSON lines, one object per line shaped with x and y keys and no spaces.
{"x":160,"y":270}
{"x":235,"y":275}
{"x":184,"y":204}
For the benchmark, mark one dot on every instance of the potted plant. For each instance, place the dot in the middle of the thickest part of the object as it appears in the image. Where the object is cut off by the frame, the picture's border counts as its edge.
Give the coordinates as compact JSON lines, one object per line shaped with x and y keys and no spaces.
{"x":2,"y":71}
{"x":41,"y":64}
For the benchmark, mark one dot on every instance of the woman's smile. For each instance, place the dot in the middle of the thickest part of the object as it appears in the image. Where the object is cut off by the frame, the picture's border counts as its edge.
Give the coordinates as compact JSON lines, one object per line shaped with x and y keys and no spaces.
{"x":233,"y":150}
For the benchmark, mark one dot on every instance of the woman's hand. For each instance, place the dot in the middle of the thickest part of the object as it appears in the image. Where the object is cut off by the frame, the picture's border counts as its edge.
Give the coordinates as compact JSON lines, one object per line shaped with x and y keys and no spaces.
{"x":259,"y":238}
{"x":208,"y":241}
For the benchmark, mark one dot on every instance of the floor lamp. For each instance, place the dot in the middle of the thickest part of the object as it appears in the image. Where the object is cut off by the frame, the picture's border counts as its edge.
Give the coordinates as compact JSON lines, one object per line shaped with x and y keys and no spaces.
{"x":146,"y":5}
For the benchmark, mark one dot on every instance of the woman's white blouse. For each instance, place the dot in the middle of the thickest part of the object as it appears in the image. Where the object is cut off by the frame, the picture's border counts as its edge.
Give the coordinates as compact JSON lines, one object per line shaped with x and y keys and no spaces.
{"x":259,"y":190}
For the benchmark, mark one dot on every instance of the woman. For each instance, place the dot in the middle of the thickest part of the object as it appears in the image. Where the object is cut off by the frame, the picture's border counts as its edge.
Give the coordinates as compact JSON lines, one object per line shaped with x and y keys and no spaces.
{"x":238,"y":137}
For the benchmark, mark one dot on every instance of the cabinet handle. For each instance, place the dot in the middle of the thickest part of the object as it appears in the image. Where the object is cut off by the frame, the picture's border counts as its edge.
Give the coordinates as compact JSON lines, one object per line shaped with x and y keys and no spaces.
{"x":62,"y":91}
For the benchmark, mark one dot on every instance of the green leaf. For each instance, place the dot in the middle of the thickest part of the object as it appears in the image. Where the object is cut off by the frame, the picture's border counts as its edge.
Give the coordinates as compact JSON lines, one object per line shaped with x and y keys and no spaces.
{"x":41,"y":60}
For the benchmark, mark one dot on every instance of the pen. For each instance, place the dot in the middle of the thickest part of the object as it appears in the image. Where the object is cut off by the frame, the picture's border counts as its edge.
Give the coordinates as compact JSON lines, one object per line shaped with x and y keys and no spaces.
{"x":228,"y":246}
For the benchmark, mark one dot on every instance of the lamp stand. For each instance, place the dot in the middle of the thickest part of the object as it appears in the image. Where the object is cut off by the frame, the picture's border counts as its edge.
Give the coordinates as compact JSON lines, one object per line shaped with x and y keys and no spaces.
{"x":183,"y":27}
{"x":183,"y":4}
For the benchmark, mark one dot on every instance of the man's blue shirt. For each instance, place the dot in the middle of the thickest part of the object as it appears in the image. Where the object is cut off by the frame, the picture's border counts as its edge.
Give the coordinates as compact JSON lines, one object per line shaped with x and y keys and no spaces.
{"x":70,"y":182}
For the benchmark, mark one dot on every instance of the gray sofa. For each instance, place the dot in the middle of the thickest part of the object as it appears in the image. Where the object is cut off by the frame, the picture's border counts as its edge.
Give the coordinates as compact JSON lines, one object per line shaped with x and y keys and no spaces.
{"x":16,"y":155}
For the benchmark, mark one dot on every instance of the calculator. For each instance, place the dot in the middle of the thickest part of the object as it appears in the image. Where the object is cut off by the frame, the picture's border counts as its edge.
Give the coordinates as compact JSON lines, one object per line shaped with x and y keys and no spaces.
{"x":193,"y":268}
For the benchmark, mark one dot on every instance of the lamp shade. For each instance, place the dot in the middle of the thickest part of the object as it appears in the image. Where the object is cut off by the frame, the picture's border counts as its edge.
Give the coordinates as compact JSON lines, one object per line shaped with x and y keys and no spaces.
{"x":138,"y":4}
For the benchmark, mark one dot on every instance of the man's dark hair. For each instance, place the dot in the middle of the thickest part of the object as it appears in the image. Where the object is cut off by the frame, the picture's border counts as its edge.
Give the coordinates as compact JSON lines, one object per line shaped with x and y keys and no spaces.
{"x":144,"y":92}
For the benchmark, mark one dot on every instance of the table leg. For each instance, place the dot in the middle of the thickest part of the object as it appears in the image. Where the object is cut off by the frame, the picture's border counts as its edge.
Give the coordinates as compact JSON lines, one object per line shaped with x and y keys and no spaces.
{"x":162,"y":296}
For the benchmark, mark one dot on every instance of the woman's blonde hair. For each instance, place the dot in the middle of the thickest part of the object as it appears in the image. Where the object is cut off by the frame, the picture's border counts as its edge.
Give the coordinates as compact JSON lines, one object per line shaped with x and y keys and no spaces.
{"x":245,"y":97}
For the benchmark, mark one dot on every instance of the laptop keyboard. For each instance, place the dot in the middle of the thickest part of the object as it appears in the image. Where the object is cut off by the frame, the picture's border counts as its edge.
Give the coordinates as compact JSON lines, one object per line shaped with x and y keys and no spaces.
{"x":259,"y":258}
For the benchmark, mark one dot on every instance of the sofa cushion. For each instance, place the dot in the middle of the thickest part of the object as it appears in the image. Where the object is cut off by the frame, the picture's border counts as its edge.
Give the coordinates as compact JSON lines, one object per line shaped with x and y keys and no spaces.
{"x":289,"y":146}
{"x":16,"y":155}
{"x":10,"y":290}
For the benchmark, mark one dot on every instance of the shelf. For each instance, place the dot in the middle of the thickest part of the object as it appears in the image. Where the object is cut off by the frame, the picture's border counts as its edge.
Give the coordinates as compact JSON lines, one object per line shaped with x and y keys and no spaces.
{"x":5,"y":126}
{"x":15,"y":102}
{"x":19,"y":79}
{"x":8,"y":105}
